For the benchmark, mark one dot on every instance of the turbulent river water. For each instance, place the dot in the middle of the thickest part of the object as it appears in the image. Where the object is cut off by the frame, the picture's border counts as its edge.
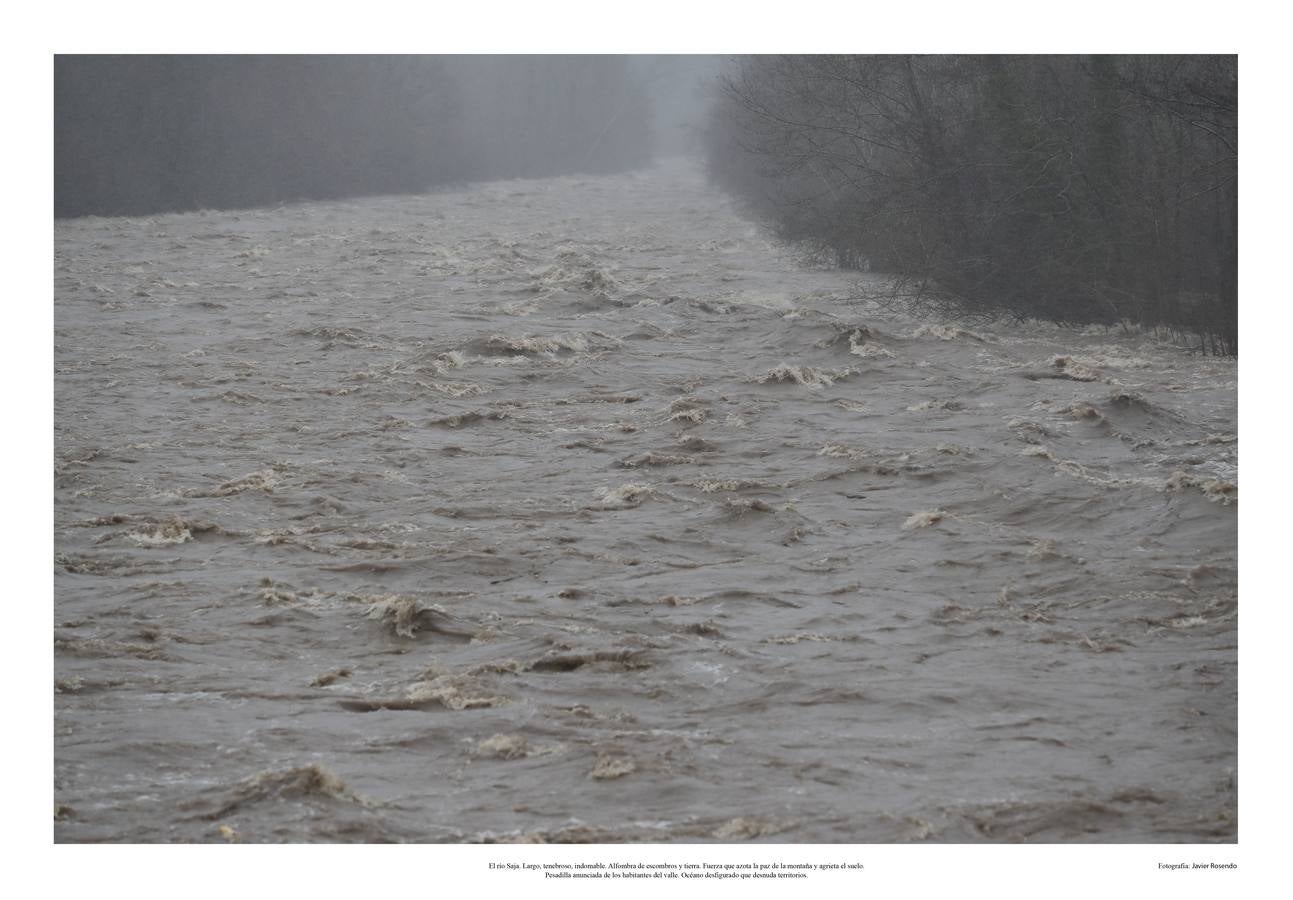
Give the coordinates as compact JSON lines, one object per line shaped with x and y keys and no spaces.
{"x":576,"y":510}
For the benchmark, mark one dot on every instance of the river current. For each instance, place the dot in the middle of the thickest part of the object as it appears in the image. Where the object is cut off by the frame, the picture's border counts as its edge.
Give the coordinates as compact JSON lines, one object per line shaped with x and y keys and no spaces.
{"x":577,"y":509}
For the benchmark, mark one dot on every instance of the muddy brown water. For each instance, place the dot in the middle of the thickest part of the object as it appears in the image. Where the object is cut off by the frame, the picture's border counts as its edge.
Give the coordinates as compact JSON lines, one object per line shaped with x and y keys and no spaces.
{"x":577,"y":510}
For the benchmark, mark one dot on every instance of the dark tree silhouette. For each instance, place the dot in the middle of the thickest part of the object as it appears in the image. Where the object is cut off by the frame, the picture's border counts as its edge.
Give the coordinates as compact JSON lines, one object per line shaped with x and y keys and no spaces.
{"x":143,"y":134}
{"x":1079,"y":189}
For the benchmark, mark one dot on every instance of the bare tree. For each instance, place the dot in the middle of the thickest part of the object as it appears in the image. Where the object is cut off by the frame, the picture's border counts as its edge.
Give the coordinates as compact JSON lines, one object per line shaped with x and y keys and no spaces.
{"x":1080,"y":189}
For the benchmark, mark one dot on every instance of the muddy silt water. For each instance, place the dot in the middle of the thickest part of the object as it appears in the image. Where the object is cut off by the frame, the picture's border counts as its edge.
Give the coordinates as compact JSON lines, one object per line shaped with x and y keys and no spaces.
{"x":574,"y":509}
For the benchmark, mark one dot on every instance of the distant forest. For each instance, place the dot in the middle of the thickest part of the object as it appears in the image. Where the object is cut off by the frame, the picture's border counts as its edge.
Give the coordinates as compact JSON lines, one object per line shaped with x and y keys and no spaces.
{"x":1077,"y":189}
{"x":1073,"y":188}
{"x":142,"y":134}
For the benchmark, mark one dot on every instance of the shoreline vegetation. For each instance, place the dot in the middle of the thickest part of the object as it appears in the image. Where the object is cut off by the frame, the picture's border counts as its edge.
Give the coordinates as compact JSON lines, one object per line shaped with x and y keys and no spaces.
{"x":1080,"y":190}
{"x":1072,"y":189}
{"x":146,"y":134}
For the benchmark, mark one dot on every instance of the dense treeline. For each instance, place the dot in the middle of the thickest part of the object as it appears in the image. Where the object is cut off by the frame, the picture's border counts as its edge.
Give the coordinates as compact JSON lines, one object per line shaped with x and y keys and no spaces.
{"x":141,"y":134}
{"x":1078,"y":189}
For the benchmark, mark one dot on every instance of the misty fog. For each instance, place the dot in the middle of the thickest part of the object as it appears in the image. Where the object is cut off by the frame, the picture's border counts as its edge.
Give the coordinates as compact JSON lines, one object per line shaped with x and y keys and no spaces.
{"x":650,"y":449}
{"x":143,"y":134}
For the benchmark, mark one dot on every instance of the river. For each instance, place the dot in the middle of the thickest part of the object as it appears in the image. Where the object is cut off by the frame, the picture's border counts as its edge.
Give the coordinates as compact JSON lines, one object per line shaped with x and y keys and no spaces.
{"x":577,"y":509}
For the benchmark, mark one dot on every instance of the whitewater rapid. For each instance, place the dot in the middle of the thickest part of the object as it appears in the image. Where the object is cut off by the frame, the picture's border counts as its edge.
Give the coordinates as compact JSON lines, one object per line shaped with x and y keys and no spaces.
{"x":576,"y":509}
